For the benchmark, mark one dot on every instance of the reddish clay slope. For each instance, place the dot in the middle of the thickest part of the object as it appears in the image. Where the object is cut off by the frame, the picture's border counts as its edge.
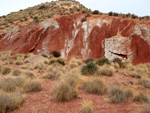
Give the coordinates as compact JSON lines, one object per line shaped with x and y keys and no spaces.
{"x":97,"y":37}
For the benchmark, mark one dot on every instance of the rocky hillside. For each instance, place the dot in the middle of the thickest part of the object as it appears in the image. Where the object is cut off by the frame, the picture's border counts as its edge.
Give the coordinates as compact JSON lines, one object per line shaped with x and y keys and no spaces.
{"x":82,"y":34}
{"x":40,"y":13}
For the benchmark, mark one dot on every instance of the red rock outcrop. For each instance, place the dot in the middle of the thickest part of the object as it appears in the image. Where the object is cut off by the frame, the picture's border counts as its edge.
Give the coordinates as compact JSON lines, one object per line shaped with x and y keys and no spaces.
{"x":99,"y":36}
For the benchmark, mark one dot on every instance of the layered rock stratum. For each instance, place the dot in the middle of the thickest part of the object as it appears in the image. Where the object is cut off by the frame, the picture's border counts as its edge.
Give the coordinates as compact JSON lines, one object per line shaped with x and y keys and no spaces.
{"x":98,"y":36}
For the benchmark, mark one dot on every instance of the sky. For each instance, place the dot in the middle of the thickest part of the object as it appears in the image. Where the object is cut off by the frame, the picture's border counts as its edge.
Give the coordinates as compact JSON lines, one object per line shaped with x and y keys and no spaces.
{"x":138,"y":7}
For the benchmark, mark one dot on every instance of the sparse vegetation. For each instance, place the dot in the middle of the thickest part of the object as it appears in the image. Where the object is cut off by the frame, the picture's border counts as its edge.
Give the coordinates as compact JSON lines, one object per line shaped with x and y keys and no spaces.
{"x":67,"y":72}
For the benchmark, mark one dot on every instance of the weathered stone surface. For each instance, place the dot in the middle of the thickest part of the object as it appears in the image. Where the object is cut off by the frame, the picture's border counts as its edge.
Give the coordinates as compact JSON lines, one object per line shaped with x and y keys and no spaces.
{"x":97,"y":37}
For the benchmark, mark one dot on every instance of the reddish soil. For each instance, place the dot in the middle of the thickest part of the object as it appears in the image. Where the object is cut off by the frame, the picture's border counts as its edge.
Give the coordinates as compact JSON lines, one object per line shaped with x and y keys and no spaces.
{"x":43,"y":101}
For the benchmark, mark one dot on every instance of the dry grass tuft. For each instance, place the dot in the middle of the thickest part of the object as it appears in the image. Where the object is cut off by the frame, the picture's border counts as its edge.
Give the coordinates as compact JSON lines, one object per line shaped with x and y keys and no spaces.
{"x":19,"y":62}
{"x":6,"y":70}
{"x":16,"y":72}
{"x":5,"y":55}
{"x":146,"y":109}
{"x":10,"y":101}
{"x":96,"y":86}
{"x":133,"y":74}
{"x":117,"y":95}
{"x":51,"y":76}
{"x":64,"y":92}
{"x":145,"y":83}
{"x":32,"y":86}
{"x":29,"y":74}
{"x":24,"y":67}
{"x":59,"y":61}
{"x":116,"y":65}
{"x":107,"y":70}
{"x":10,"y":84}
{"x":75,"y":62}
{"x":142,"y":98}
{"x":67,"y":89}
{"x":54,"y":72}
{"x":86,"y":106}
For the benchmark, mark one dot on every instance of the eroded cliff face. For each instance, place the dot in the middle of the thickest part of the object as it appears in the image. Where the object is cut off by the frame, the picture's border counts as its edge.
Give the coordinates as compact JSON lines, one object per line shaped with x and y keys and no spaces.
{"x":99,"y":36}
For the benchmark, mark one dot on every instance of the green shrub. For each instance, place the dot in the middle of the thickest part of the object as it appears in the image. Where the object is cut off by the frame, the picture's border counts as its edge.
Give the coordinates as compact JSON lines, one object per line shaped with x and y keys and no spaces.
{"x":116,"y":95}
{"x":32,"y":86}
{"x":55,"y":53}
{"x":42,"y":7}
{"x":84,"y":11}
{"x":110,"y":13}
{"x":36,"y":19}
{"x":95,"y":86}
{"x":103,"y":61}
{"x":6,"y":70}
{"x":64,"y":92}
{"x":141,"y":98}
{"x":145,"y":83}
{"x":10,"y":101}
{"x":89,"y":60}
{"x":90,"y":68}
{"x":96,"y":12}
{"x":86,"y":107}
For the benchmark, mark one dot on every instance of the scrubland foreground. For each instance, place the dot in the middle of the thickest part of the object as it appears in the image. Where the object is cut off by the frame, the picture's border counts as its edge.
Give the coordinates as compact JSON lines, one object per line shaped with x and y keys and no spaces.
{"x":51,"y":84}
